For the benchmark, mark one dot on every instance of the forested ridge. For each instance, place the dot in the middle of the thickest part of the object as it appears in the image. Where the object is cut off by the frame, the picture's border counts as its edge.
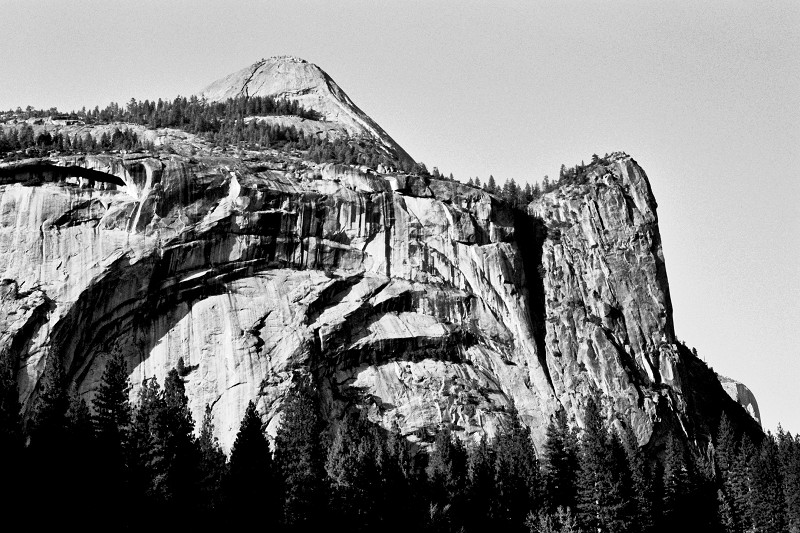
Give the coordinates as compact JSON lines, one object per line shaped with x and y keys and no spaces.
{"x":147,"y":464}
{"x":231,"y":126}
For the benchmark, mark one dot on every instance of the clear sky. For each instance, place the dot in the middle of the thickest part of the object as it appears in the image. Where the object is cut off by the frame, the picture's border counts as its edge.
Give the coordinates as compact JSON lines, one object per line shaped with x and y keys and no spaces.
{"x":704,"y":95}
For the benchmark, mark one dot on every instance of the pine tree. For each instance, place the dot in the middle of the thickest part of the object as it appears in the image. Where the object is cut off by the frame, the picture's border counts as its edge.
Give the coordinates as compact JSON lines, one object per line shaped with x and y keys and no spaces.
{"x":11,"y":436}
{"x":703,"y":489}
{"x":176,"y":480}
{"x":725,"y":448}
{"x":766,"y":499}
{"x":300,"y":460}
{"x":447,"y":477}
{"x":112,"y":424}
{"x":80,"y":453}
{"x":640,"y":487}
{"x":725,"y":517}
{"x":403,"y":487}
{"x":491,"y":185}
{"x":346,"y":470}
{"x":361,"y":462}
{"x":482,"y":496}
{"x":212,"y":465}
{"x":517,"y":474}
{"x":251,"y":483}
{"x":47,"y":453}
{"x":738,"y":483}
{"x":627,"y":514}
{"x":79,"y":422}
{"x":676,"y":494}
{"x":48,"y":416}
{"x":600,"y":498}
{"x":527,"y":194}
{"x":789,"y":457}
{"x":11,"y":439}
{"x":112,"y":410}
{"x":561,"y":521}
{"x":143,"y":450}
{"x":507,"y":191}
{"x":560,"y":465}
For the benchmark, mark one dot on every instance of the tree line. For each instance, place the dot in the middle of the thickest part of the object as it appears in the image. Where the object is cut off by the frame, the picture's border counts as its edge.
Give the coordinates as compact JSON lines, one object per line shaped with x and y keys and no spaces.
{"x":519,"y":196}
{"x":133,"y":463}
{"x":182,"y":113}
{"x":231,"y":126}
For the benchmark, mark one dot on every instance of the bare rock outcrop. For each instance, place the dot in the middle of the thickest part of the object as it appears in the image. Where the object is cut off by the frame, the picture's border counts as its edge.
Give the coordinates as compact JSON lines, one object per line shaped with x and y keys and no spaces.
{"x":605,"y":299}
{"x":294,"y":79}
{"x":742,"y":395}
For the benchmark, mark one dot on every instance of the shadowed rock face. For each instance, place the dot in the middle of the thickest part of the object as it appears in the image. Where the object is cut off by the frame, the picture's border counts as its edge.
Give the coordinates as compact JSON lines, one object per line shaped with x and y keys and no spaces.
{"x":423,"y":301}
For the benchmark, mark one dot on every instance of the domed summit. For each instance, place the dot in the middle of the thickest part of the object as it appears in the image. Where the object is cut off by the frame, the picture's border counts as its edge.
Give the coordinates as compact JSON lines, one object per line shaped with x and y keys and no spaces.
{"x":287,"y":77}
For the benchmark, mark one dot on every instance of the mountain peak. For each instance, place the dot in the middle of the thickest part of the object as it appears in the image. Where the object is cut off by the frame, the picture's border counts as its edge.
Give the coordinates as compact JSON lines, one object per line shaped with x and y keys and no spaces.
{"x":292,"y":78}
{"x":284,"y":58}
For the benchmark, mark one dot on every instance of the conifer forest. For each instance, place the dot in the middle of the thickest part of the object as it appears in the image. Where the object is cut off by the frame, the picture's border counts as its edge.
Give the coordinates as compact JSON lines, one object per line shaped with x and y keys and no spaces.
{"x":147,"y":463}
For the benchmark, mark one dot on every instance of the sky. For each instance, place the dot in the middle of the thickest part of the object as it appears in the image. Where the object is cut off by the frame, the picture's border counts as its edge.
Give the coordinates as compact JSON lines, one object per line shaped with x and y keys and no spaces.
{"x":704,"y":95}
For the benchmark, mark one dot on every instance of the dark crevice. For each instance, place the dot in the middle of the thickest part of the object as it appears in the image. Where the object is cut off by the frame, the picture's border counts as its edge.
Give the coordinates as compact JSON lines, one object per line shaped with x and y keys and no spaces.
{"x":531,"y":232}
{"x":628,"y":363}
{"x":42,"y":172}
{"x":414,"y":349}
{"x":331,"y":295}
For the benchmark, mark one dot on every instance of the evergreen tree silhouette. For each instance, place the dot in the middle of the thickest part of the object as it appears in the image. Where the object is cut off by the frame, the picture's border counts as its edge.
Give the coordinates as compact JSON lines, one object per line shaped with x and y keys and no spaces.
{"x":447,"y":477}
{"x":300,"y":459}
{"x":212,"y":466}
{"x":251,"y":491}
{"x":560,"y":465}
{"x":601,"y":506}
{"x":482,"y":500}
{"x":517,"y":474}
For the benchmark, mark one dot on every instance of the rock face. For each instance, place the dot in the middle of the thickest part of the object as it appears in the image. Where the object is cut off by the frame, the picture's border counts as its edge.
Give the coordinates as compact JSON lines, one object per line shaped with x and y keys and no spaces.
{"x":605,"y":302}
{"x":422,"y":301}
{"x":286,"y":77}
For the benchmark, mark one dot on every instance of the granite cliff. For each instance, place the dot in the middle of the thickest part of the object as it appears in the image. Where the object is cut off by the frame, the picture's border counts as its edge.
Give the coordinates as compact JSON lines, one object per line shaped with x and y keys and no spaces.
{"x":423,"y":301}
